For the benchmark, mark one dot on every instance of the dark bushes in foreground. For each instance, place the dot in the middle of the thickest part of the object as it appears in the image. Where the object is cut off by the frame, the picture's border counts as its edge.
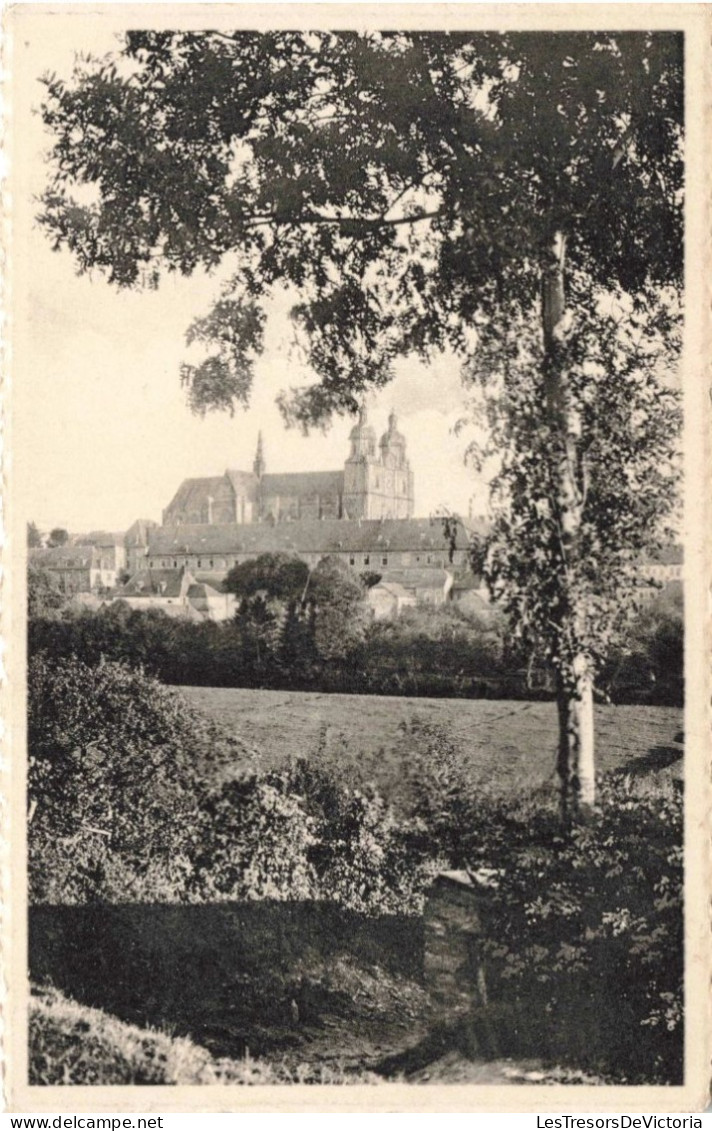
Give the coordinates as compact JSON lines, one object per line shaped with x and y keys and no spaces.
{"x":584,"y":928}
{"x":134,"y":796}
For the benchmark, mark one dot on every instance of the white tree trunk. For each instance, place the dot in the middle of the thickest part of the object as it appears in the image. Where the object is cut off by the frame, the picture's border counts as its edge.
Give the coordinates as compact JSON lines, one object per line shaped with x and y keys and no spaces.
{"x":576,"y":766}
{"x":583,"y":763}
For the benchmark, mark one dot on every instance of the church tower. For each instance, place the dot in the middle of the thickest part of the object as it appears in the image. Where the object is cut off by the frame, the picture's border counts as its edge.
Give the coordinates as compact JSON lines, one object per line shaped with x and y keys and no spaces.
{"x":397,"y":487}
{"x":359,"y":471}
{"x":378,"y":483}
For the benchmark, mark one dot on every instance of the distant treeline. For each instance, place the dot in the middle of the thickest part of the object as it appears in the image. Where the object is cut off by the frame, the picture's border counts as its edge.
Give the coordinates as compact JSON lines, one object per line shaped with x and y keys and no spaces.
{"x":439,"y":652}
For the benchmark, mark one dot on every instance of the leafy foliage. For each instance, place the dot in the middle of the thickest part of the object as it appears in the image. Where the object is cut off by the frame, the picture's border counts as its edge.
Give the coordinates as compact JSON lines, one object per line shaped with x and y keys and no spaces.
{"x":254,"y":843}
{"x":44,"y":596}
{"x":344,"y":164}
{"x":595,"y":917}
{"x":582,"y":926}
{"x":282,"y":577}
{"x":427,"y":651}
{"x":648,"y":663}
{"x":115,"y":771}
{"x":566,"y":594}
{"x":290,"y":614}
{"x":336,"y":605}
{"x":365,"y":857}
{"x":34,"y":538}
{"x":303,"y":834}
{"x":133,"y":796}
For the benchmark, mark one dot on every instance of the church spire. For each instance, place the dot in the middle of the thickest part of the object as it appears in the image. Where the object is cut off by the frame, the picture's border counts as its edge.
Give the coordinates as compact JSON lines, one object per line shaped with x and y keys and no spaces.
{"x":259,"y":465}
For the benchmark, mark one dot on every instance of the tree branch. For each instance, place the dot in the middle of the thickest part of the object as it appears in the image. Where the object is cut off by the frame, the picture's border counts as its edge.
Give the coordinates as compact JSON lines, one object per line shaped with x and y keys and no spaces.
{"x":362,"y":223}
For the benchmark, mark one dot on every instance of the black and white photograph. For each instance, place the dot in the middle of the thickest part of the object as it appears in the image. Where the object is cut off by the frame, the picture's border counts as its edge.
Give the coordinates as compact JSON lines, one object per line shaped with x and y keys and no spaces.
{"x":356,"y":501}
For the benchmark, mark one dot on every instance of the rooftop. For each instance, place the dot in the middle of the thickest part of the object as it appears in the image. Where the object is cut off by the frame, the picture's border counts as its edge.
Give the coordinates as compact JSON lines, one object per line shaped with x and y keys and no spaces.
{"x":319,"y":536}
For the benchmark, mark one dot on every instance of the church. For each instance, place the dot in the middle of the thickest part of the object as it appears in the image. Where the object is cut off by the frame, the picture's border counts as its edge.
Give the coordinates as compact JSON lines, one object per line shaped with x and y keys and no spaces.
{"x":376,"y":482}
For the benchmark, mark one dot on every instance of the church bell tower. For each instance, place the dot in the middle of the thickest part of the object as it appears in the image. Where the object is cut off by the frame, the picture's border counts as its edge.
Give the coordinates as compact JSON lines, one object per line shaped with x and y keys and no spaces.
{"x":358,"y":469}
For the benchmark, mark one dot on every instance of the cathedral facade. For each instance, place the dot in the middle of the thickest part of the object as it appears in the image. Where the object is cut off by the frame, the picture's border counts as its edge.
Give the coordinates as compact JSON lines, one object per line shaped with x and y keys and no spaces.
{"x":375,"y":483}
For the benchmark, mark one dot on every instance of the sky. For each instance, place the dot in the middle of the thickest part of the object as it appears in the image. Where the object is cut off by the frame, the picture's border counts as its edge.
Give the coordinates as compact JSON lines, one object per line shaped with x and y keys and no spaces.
{"x":101,"y":431}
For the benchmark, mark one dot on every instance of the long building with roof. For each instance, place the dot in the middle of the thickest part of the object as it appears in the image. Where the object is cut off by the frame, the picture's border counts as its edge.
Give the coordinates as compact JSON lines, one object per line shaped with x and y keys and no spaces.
{"x":415,"y":547}
{"x":361,"y":515}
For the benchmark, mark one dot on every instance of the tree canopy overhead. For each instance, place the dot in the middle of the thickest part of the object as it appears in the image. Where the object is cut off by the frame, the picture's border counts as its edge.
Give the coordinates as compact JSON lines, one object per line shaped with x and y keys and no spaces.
{"x":405,"y":185}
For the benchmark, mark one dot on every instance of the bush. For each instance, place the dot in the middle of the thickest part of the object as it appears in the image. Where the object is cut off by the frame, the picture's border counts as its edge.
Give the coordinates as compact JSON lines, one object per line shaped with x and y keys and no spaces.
{"x":134,"y":796}
{"x":365,"y":857}
{"x":44,"y":597}
{"x":647,"y":667}
{"x":254,"y":843}
{"x":116,"y":766}
{"x":584,"y":928}
{"x":302,"y":834}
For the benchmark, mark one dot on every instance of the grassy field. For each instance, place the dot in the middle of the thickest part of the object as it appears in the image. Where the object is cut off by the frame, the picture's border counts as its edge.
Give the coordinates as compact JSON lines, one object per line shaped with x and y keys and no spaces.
{"x":505,"y":744}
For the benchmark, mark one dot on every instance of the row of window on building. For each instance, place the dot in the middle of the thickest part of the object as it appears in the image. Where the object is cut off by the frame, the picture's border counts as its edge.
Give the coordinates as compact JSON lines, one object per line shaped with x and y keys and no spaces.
{"x":434,"y":558}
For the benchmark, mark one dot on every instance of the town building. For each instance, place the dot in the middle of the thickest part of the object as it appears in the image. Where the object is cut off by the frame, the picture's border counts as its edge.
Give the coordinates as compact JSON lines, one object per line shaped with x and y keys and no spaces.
{"x":662,"y":570}
{"x":362,"y":515}
{"x":112,"y":553}
{"x":388,"y":599}
{"x":411,"y":552}
{"x":136,"y":544}
{"x":77,"y":569}
{"x":179,"y":593}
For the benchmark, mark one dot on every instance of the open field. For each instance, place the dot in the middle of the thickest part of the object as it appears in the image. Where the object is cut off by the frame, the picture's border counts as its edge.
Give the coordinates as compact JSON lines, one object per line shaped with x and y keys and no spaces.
{"x":505,"y":744}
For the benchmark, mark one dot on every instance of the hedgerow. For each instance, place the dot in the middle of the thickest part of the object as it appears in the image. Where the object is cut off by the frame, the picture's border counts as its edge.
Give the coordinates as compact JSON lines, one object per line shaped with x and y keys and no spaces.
{"x":426,"y":651}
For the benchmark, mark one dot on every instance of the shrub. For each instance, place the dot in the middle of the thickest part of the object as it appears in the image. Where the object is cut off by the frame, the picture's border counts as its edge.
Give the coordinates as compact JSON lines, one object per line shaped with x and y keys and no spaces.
{"x":116,"y":764}
{"x":302,"y":834}
{"x":254,"y":841}
{"x":647,"y":666}
{"x":44,"y":596}
{"x":435,"y":789}
{"x":134,"y":796}
{"x":585,"y":928}
{"x":365,"y":858}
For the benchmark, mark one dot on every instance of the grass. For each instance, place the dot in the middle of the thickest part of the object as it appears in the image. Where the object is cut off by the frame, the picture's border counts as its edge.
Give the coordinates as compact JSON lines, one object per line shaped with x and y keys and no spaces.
{"x":74,"y":1044}
{"x":507,"y":745}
